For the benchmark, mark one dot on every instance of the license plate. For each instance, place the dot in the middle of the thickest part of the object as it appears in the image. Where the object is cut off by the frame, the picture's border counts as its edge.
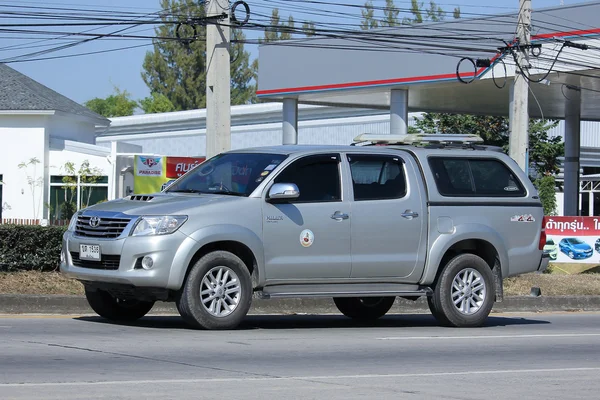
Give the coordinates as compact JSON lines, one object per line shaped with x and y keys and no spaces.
{"x":89,"y":252}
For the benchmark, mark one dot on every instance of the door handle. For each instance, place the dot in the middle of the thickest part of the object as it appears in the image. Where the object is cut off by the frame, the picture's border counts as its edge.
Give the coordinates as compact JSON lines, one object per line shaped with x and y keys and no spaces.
{"x":338,"y":216}
{"x":409,"y":214}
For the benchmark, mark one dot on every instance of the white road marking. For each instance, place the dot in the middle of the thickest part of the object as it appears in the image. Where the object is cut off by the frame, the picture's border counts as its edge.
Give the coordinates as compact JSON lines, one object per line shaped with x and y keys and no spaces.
{"x":317,"y":377}
{"x":560,"y":335}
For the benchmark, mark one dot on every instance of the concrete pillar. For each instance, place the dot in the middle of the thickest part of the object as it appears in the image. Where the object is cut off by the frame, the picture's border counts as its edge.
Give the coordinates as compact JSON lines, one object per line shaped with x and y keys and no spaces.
{"x":290,"y":121}
{"x":399,"y":112}
{"x":572,"y":148}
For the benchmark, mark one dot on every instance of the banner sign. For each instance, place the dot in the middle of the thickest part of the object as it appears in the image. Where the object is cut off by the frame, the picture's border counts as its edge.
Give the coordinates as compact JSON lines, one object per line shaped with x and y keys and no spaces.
{"x":151,"y":172}
{"x":573,"y":239}
{"x":177,"y":166}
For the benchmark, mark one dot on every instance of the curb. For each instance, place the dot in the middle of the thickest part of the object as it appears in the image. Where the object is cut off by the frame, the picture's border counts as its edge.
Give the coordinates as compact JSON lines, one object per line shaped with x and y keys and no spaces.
{"x":65,"y":305}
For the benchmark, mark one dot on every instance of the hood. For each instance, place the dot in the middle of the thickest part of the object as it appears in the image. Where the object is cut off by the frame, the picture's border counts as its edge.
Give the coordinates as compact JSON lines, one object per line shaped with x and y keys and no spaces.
{"x":581,"y":246}
{"x":161,"y":203}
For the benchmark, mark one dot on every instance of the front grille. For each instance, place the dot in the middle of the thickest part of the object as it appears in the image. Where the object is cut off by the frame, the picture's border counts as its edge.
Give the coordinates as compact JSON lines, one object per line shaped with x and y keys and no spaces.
{"x":108,"y":262}
{"x":107,"y":228}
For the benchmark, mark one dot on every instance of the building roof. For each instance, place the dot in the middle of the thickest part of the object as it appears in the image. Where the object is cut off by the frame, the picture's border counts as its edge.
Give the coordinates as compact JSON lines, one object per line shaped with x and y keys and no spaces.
{"x":18,"y":92}
{"x":360,"y":70}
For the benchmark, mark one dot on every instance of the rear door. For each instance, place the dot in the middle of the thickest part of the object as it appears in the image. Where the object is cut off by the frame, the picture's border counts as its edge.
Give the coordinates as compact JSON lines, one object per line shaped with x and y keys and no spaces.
{"x":309,"y":238}
{"x":388,"y":217}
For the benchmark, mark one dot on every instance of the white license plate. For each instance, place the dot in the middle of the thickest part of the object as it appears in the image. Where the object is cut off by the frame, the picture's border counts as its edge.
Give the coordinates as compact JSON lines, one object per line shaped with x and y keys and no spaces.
{"x":89,"y":252}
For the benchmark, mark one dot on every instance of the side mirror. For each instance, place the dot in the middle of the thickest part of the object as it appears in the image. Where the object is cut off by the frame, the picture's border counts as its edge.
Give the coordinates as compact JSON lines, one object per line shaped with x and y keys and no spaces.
{"x":283,"y":191}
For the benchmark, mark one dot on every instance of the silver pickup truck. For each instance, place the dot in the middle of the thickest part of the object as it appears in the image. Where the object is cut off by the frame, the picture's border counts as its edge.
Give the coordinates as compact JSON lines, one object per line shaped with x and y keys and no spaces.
{"x":440,"y":216}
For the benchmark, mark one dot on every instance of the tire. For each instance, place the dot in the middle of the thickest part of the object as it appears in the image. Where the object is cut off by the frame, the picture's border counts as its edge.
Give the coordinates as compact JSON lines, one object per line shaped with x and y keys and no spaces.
{"x":364,"y":308}
{"x":214,"y":308}
{"x":107,"y":306}
{"x":477,"y":295}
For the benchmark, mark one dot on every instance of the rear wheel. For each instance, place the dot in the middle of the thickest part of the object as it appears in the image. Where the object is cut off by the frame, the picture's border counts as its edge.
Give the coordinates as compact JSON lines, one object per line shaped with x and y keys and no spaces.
{"x":113,"y":308}
{"x":364,"y":308}
{"x":464,"y":293}
{"x":217,"y":293}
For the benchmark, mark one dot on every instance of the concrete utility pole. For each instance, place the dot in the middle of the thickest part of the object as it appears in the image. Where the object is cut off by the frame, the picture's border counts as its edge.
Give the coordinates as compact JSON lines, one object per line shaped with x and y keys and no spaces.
{"x":519,"y":123}
{"x":218,"y":82}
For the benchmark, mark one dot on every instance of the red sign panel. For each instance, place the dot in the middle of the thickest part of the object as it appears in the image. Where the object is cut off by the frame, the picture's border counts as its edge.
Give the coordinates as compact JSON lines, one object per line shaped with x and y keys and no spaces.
{"x":572,"y":226}
{"x":177,"y":166}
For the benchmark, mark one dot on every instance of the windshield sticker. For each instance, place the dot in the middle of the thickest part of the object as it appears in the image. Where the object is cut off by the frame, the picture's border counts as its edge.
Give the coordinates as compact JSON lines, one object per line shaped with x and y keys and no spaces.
{"x":270,"y":167}
{"x":307,"y":238}
{"x":264,"y":173}
{"x":511,"y":188}
{"x":522,"y":218}
{"x":259,"y":179}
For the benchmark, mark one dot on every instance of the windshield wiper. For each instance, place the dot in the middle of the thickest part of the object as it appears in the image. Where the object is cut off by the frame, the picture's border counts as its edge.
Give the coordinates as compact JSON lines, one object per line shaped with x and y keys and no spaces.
{"x":184,"y":191}
{"x":228,"y":193}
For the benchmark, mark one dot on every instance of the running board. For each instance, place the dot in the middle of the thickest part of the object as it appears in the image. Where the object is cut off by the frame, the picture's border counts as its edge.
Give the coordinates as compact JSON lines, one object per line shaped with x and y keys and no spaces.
{"x":343,"y":290}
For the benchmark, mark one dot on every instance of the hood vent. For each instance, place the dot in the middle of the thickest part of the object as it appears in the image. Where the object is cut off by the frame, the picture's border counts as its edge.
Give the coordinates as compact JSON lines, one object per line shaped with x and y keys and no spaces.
{"x":140,"y":197}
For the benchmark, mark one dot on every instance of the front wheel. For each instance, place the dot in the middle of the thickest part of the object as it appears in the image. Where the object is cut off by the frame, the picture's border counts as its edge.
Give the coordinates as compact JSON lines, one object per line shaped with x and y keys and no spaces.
{"x":217,"y":293}
{"x":106,"y":305}
{"x":364,"y":308}
{"x":464,"y":293}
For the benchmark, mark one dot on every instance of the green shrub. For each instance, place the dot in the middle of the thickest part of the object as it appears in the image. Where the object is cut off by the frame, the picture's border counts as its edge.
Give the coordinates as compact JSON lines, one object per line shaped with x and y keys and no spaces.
{"x":30,"y":248}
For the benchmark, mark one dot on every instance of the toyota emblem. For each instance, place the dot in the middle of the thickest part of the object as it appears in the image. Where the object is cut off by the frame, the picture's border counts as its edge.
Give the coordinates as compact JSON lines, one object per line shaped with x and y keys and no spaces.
{"x":94,"y":222}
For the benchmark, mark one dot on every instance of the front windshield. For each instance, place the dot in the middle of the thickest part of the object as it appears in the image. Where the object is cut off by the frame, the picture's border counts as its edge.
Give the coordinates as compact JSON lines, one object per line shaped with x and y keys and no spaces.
{"x":236,"y":174}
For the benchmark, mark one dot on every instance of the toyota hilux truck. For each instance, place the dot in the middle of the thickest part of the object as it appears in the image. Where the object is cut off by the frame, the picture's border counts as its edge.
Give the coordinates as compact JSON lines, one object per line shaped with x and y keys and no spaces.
{"x":441,"y":216}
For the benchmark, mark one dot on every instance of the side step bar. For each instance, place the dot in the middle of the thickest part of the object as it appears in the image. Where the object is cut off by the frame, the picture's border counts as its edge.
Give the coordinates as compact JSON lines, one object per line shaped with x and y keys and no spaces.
{"x":368,"y":290}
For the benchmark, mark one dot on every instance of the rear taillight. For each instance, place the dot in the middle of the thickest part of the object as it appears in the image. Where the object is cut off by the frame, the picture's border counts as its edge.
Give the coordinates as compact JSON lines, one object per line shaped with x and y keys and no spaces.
{"x":543,"y":235}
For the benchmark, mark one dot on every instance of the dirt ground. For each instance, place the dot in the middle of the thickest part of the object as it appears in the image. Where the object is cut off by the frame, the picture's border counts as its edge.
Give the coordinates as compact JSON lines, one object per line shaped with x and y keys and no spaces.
{"x":554,"y":284}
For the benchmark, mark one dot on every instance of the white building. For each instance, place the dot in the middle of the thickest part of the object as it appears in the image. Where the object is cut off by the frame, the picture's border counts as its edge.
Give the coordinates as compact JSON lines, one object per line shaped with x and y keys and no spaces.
{"x":42,"y":130}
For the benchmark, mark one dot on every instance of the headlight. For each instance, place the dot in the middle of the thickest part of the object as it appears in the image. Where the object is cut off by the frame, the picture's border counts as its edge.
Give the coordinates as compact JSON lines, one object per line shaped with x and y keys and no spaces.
{"x":160,"y":225}
{"x":73,"y":222}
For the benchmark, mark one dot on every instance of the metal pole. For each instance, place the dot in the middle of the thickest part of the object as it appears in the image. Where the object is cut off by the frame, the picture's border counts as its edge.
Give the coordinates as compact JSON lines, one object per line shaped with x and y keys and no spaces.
{"x":519,"y":123}
{"x":218,"y":82}
{"x":399,"y":112}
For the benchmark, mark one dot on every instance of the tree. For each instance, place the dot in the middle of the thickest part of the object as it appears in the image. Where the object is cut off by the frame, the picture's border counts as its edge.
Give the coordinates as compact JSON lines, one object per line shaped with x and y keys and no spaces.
{"x":156,"y":103}
{"x":277,"y":30}
{"x":34,"y":183}
{"x":118,"y":104}
{"x":177,"y":69}
{"x":308,"y":27}
{"x":391,"y":14}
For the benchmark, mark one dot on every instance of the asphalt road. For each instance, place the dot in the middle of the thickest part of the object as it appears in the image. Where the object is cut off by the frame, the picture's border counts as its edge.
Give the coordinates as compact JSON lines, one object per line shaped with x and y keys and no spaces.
{"x":516,"y":356}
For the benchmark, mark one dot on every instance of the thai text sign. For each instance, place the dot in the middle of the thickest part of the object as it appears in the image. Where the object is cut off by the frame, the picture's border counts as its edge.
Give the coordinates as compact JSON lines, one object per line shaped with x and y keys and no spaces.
{"x":573,"y":239}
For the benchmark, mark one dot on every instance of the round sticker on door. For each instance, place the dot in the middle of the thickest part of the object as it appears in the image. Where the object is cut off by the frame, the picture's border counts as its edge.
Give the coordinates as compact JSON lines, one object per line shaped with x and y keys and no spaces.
{"x":307,"y":238}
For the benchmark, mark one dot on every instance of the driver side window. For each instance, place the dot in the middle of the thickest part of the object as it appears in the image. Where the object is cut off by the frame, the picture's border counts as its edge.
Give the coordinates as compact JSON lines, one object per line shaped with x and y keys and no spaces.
{"x":317,"y":178}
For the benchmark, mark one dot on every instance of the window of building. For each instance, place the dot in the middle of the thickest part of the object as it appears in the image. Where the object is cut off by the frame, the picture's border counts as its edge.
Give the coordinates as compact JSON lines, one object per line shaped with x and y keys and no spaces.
{"x":377,"y":177}
{"x":69,"y":194}
{"x":317,"y":178}
{"x":472,"y":177}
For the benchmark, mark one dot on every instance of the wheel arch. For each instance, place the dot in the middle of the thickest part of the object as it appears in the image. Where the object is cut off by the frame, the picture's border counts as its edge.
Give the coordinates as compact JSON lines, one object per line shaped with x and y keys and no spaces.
{"x":235,"y":239}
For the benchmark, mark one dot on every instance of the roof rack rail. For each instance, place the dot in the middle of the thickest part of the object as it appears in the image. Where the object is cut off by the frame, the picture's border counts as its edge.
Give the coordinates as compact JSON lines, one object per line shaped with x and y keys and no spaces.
{"x":418,"y":138}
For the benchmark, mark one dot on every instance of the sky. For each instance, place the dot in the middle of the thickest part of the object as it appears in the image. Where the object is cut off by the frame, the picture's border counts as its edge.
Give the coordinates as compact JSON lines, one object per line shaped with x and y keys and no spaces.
{"x":85,"y":77}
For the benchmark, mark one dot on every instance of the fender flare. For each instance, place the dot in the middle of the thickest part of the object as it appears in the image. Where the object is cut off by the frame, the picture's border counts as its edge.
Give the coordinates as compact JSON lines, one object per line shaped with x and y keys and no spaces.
{"x":210,"y":234}
{"x":471,"y":231}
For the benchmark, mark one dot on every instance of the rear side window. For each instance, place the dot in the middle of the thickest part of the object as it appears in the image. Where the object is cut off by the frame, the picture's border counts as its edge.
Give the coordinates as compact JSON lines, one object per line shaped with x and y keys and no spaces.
{"x":474,"y":177}
{"x":377,"y":177}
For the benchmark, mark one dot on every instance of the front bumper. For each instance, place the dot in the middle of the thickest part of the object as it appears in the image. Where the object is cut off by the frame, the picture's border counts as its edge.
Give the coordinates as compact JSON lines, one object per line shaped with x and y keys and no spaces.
{"x":121,"y":259}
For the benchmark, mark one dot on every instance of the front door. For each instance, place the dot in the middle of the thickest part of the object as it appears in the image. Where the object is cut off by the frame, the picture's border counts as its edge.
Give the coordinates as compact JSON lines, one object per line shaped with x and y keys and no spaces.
{"x":305,"y":239}
{"x":388,"y":217}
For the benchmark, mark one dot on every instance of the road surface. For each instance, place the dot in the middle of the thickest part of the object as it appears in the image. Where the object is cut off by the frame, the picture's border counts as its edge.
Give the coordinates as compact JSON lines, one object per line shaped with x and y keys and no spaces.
{"x":526,"y":356}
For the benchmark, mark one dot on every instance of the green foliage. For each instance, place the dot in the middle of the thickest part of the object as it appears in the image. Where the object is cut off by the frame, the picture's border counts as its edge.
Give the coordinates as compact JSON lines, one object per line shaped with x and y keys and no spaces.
{"x":543,"y":151}
{"x":118,"y":104}
{"x":546,"y":186}
{"x":178,"y":71}
{"x":31,"y":248}
{"x":156,"y":103}
{"x":277,"y":30}
{"x":391,"y":14}
{"x":308,"y":28}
